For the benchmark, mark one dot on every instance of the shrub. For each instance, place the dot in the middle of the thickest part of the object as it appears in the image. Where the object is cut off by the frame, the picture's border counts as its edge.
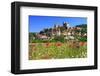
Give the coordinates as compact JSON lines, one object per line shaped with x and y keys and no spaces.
{"x":39,"y":41}
{"x":83,"y":39}
{"x":59,"y":38}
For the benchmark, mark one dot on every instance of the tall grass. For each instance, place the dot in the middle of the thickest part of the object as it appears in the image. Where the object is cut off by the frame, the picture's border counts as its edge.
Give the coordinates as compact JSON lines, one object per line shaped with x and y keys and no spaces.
{"x":55,"y":51}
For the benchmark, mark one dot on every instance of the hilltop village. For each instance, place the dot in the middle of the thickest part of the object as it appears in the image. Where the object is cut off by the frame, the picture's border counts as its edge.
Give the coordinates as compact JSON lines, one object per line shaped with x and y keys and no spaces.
{"x":65,"y":31}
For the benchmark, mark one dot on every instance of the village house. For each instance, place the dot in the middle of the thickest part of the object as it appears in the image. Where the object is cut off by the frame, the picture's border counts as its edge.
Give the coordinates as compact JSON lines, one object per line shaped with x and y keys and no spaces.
{"x":43,"y":37}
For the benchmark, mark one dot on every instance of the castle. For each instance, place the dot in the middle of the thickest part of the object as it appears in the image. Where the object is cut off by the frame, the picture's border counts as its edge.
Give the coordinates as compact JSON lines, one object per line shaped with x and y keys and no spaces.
{"x":65,"y":30}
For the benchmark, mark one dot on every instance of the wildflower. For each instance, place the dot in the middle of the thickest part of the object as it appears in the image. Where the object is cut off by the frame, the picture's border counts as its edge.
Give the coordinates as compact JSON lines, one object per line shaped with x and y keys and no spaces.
{"x":35,"y":49}
{"x":47,"y":44}
{"x":81,"y":43}
{"x":58,"y":44}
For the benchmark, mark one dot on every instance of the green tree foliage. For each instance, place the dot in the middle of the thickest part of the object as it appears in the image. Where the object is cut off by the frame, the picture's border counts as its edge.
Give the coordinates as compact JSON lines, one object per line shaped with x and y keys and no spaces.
{"x":31,"y":36}
{"x":41,"y":32}
{"x":83,"y":39}
{"x":65,"y":25}
{"x":82,"y":25}
{"x":84,"y":28}
{"x":46,"y":30}
{"x":59,"y":38}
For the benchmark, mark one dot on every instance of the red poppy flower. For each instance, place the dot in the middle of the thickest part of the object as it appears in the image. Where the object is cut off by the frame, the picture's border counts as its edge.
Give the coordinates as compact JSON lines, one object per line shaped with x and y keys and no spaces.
{"x":81,"y":43}
{"x":58,"y":44}
{"x":47,"y":44}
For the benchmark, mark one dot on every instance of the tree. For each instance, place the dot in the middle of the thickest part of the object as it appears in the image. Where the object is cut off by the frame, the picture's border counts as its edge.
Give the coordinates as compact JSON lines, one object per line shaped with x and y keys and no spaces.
{"x":50,"y":29}
{"x":82,"y":25}
{"x":31,"y":36}
{"x":41,"y":32}
{"x":83,"y":30}
{"x":65,"y":25}
{"x":46,"y":30}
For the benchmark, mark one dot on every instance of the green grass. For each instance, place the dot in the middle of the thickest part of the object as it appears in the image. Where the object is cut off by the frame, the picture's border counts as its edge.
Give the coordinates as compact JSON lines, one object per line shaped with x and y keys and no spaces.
{"x":52,"y":51}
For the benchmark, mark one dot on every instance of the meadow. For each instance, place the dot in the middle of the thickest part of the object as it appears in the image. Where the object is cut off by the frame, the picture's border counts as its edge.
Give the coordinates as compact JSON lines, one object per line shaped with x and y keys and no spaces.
{"x":57,"y":50}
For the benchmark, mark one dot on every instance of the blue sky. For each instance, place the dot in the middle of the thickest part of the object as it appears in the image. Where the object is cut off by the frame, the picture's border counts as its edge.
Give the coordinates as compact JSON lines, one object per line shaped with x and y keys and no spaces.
{"x":38,"y":23}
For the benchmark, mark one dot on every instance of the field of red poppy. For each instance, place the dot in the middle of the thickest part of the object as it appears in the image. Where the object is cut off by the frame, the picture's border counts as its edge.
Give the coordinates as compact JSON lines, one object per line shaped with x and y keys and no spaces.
{"x":57,"y":50}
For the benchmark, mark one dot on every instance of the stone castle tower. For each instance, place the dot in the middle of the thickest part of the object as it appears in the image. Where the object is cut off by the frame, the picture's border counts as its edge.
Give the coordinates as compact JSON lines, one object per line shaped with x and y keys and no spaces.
{"x":56,"y":30}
